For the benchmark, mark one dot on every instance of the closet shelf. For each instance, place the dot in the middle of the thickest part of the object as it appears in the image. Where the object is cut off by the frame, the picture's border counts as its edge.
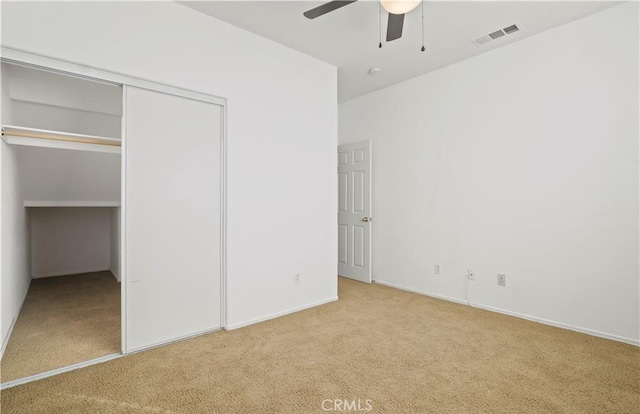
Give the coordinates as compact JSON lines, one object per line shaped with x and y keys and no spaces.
{"x":72,"y":203}
{"x":55,"y":139}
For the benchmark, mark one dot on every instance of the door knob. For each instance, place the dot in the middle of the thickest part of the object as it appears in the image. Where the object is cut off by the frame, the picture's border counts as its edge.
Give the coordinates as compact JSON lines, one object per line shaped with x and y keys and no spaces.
{"x":365,"y":219}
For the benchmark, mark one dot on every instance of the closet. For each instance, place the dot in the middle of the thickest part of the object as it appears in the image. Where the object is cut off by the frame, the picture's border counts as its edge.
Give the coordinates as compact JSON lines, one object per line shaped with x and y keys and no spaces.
{"x":102,"y":172}
{"x":65,"y":136}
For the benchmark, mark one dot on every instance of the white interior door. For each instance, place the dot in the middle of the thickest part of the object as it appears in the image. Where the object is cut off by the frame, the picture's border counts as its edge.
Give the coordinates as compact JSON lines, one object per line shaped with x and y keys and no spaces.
{"x":354,"y":210}
{"x":173,"y":217}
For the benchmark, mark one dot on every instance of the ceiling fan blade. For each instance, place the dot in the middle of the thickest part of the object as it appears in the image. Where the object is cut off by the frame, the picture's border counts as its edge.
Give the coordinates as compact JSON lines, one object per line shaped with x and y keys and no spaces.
{"x":326,"y":8}
{"x":394,"y":26}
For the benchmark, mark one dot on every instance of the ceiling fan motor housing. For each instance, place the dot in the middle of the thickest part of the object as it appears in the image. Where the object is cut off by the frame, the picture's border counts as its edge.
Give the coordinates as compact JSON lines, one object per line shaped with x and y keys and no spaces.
{"x":399,"y":6}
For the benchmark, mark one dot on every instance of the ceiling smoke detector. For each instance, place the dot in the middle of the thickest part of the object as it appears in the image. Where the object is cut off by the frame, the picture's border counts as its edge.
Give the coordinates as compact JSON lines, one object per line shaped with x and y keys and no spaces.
{"x":374,"y":71}
{"x":516,"y":27}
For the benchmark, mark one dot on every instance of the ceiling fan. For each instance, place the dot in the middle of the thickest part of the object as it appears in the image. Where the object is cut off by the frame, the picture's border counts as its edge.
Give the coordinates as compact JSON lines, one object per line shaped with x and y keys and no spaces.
{"x":396,"y":9}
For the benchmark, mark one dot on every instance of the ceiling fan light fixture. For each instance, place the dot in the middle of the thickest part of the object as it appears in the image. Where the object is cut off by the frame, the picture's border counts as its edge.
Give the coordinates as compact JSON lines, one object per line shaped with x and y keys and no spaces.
{"x":399,"y":6}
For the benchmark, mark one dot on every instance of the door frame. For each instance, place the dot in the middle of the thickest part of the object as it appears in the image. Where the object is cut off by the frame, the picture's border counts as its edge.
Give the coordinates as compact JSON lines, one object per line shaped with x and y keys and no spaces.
{"x":41,"y":62}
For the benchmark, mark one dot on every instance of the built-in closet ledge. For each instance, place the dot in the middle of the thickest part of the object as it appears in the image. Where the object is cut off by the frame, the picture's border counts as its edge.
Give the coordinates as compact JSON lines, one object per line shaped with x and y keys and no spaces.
{"x":72,"y":204}
{"x":55,"y":139}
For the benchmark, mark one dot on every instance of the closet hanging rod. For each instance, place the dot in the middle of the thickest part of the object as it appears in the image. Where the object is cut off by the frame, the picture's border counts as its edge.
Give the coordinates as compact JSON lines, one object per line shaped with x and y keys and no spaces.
{"x":16,"y":131}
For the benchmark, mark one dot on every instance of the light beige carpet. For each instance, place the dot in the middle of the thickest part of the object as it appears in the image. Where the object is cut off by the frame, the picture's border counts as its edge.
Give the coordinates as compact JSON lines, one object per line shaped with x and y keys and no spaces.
{"x":64,"y":320}
{"x":404,"y":352}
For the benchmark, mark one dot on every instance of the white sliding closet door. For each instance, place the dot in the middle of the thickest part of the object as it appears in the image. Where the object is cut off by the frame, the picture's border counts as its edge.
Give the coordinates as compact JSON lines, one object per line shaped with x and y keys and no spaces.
{"x":173,"y":220}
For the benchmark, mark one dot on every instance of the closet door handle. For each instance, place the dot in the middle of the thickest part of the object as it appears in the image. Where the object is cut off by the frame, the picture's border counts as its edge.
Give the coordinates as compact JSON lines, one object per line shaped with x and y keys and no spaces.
{"x":365,"y":219}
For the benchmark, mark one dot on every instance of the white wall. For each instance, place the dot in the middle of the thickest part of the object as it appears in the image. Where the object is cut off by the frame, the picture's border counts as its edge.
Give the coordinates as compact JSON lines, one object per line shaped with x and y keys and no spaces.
{"x":5,"y":76}
{"x":522,"y":161}
{"x":35,"y":115}
{"x":114,"y":255}
{"x":15,"y":244}
{"x":61,"y":175}
{"x":281,"y":131}
{"x":46,"y":100}
{"x":66,"y":241}
{"x":14,"y":240}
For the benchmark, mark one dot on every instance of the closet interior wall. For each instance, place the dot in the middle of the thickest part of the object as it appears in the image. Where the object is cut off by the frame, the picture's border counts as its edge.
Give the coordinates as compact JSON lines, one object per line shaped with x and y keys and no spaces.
{"x":70,"y":240}
{"x":15,"y":263}
{"x":50,"y":101}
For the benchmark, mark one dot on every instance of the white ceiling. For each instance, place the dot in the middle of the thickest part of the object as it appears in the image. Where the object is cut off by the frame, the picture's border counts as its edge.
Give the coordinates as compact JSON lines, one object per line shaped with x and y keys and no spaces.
{"x":348,"y":37}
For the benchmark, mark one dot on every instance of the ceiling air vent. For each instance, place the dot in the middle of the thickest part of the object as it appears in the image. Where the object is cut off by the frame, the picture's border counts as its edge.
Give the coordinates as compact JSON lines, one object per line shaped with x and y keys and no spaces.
{"x":516,"y":27}
{"x":496,"y":34}
{"x":511,"y":29}
{"x":482,"y":40}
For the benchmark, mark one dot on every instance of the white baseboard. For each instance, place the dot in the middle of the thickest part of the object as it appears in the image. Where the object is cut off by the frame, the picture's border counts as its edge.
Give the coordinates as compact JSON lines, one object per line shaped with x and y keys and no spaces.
{"x":13,"y":323}
{"x":574,"y":328}
{"x":421,"y":292}
{"x":115,"y":274}
{"x":233,"y":326}
{"x":70,"y":273}
{"x":6,"y":338}
{"x":171,"y":341}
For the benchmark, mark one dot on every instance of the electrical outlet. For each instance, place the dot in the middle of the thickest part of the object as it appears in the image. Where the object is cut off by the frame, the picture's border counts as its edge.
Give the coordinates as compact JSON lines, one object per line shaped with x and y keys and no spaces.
{"x":471,"y":275}
{"x":296,"y":279}
{"x":437,"y":270}
{"x":502,"y":280}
